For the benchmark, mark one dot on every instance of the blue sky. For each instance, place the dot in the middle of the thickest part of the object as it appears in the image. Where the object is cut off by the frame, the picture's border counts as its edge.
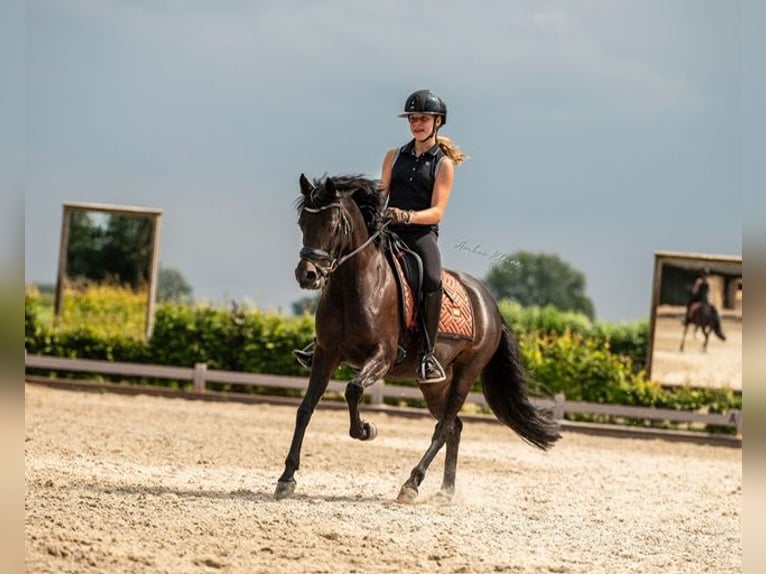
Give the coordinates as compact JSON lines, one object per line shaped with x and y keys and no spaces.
{"x":598,"y":130}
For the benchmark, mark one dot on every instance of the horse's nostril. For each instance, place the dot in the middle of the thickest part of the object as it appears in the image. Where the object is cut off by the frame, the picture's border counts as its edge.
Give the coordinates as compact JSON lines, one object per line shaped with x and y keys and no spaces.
{"x":305,"y":273}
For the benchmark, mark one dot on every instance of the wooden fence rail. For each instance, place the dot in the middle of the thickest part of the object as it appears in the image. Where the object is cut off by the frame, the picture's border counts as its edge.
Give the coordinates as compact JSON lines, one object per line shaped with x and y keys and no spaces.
{"x":200,"y":376}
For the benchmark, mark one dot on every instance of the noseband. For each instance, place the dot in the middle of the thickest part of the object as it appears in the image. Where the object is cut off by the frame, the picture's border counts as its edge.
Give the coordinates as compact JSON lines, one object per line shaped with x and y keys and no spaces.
{"x":325,"y":262}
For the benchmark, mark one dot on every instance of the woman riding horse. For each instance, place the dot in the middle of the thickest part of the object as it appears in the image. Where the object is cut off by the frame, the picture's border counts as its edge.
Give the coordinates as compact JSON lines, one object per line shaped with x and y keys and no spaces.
{"x":699,"y":293}
{"x":417,"y":179}
{"x":358,"y":322}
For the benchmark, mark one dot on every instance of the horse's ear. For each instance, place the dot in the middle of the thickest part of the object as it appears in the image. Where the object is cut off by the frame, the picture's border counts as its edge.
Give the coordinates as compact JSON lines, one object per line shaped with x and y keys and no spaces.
{"x":306,"y":186}
{"x":329,"y":186}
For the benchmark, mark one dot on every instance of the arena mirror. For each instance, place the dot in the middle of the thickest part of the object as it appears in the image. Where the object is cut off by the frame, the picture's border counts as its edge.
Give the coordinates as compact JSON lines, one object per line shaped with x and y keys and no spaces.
{"x":678,"y":358}
{"x":114,"y":250}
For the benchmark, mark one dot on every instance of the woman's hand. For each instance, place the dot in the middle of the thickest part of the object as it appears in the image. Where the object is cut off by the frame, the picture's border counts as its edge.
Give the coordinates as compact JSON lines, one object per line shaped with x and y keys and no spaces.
{"x":396,"y":215}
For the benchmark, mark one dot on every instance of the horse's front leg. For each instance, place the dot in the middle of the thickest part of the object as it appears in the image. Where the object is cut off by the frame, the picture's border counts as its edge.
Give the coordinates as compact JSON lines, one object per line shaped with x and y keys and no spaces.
{"x":373,"y":370}
{"x":322,"y":368}
{"x":683,"y":336}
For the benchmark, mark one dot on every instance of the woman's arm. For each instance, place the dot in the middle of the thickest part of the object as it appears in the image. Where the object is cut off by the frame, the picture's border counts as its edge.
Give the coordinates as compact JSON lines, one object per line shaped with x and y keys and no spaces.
{"x":385,"y":172}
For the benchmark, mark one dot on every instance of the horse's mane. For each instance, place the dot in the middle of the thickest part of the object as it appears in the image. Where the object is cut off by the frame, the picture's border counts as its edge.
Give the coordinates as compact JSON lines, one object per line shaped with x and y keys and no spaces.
{"x":365,"y":192}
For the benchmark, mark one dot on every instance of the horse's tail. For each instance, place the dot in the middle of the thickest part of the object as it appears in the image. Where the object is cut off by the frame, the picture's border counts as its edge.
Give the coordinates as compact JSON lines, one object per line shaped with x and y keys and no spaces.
{"x":717,"y":325}
{"x":505,"y":388}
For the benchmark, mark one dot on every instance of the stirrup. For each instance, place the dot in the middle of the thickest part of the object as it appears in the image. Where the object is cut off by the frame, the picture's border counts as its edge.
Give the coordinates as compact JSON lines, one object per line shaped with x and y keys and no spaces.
{"x":305,"y":356}
{"x":431,"y":370}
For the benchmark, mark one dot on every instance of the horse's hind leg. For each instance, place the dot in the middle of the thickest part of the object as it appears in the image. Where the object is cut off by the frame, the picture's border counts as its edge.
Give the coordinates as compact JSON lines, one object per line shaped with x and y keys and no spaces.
{"x":448,"y":430}
{"x":450,"y":462}
{"x":409,"y":491}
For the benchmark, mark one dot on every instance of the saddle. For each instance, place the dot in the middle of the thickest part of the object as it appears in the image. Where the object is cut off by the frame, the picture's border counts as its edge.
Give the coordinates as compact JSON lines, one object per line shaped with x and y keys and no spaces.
{"x":456,"y":320}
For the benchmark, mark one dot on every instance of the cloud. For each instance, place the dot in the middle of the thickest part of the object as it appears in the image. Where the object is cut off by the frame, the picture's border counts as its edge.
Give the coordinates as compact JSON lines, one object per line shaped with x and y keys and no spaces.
{"x":551,"y":18}
{"x":648,"y":86}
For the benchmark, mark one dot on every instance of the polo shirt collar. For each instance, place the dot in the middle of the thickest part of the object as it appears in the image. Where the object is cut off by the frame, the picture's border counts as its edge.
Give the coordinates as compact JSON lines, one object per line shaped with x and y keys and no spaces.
{"x":410,"y":148}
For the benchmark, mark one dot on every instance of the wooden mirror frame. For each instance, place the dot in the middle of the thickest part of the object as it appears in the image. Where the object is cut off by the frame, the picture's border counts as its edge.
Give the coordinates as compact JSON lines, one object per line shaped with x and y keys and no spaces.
{"x":154,"y":214}
{"x":718,"y":264}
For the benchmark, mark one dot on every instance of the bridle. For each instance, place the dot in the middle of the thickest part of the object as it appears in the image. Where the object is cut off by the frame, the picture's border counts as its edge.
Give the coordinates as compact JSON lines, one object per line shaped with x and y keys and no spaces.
{"x":324,"y":262}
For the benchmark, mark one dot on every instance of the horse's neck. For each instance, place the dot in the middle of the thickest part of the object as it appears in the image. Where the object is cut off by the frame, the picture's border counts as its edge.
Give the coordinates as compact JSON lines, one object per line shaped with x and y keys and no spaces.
{"x":361,"y":279}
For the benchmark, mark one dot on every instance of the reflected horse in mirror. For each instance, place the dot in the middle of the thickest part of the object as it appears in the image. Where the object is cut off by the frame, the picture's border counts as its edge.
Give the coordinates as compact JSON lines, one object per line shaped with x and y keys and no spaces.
{"x":358,"y":322}
{"x":703,"y":316}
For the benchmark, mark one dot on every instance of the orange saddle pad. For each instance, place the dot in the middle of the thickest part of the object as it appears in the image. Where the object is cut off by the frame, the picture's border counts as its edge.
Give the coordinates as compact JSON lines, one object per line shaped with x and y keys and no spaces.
{"x":456,"y":319}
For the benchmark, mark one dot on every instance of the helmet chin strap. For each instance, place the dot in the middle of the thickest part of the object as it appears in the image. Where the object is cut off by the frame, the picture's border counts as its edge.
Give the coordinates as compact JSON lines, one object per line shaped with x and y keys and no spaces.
{"x":433,"y":133}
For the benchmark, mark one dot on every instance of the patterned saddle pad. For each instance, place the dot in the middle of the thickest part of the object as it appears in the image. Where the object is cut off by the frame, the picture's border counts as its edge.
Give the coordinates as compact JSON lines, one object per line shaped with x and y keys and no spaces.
{"x":456,"y":320}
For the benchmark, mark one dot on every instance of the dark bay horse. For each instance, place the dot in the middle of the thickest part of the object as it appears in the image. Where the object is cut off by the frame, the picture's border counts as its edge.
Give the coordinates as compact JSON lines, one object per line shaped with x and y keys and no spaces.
{"x":703,"y":316}
{"x":357,"y":322}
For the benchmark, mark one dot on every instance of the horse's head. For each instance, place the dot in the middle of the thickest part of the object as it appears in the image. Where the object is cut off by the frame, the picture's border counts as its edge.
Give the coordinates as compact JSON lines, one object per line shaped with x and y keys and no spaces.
{"x":327,"y":220}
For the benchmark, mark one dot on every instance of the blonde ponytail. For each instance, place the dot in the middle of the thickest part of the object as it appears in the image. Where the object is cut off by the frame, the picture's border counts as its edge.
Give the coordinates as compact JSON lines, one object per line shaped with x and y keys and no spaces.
{"x":451,"y":150}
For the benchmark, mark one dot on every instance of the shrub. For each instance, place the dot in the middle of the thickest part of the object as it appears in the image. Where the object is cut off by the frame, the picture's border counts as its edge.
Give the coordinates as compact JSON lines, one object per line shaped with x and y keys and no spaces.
{"x":108,"y":310}
{"x":580,"y":367}
{"x":628,"y":339}
{"x":237,"y":339}
{"x":546,"y":320}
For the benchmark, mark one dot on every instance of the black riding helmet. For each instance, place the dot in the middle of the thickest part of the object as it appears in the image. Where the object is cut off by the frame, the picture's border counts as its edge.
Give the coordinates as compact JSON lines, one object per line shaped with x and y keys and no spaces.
{"x":425,"y":102}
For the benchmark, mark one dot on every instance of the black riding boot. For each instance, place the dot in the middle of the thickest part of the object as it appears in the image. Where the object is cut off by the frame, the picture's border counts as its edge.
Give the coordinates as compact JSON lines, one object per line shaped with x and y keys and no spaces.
{"x":430,"y":369}
{"x":305,"y":356}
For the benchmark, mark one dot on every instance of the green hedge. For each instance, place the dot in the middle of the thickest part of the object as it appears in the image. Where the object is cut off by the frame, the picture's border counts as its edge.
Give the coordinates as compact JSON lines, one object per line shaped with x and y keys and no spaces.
{"x":563,"y":352}
{"x":628,"y":339}
{"x":236,"y":339}
{"x":585,"y":369}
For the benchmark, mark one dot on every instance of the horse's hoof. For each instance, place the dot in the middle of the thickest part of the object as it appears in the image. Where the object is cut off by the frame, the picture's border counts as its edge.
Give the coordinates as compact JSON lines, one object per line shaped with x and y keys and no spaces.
{"x":442,"y":497}
{"x":370,"y":431}
{"x":284,"y":489}
{"x":407,"y":494}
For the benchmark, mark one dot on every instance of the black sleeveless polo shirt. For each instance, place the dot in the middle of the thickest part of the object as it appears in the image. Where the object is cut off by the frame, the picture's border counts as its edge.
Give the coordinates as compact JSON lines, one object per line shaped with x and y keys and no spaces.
{"x":412,"y":182}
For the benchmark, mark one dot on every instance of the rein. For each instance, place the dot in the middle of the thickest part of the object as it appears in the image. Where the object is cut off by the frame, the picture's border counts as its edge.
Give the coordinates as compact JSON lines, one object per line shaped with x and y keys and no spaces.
{"x":315,"y":256}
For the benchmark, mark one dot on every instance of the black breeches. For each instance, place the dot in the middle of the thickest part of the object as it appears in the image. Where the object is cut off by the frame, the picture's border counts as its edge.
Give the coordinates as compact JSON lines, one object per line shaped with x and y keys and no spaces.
{"x":425,"y":245}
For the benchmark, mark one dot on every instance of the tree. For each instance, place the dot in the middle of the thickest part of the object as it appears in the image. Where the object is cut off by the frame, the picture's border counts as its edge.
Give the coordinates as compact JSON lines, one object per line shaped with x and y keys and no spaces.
{"x":306,"y":305}
{"x":116,"y":248}
{"x":84,"y":248}
{"x":539,"y":279}
{"x":172,"y":286}
{"x":127,"y":250}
